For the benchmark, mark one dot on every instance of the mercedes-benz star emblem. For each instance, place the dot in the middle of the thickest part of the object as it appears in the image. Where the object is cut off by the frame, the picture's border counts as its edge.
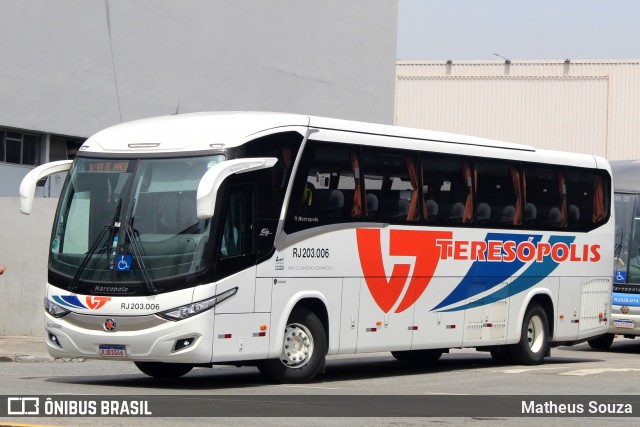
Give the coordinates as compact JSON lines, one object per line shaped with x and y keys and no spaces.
{"x":110,"y":325}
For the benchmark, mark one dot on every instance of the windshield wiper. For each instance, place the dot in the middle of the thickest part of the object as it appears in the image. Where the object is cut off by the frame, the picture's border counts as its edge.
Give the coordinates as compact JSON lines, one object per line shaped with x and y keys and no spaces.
{"x":74,"y":283}
{"x":138,"y":254}
{"x":618,"y":245}
{"x":108,"y":227}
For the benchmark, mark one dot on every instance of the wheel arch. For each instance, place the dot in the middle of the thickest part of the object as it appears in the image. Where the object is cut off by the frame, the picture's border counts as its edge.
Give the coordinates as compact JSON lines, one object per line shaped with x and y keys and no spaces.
{"x":313,"y":301}
{"x":544,"y":299}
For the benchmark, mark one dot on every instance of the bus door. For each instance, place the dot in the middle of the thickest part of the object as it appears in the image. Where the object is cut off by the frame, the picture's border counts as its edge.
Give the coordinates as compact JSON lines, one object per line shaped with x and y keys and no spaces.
{"x":235,"y":327}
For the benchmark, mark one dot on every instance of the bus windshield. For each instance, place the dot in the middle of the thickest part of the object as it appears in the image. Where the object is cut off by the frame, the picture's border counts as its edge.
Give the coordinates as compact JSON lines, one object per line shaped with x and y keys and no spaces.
{"x":626,"y":244}
{"x":107,"y":203}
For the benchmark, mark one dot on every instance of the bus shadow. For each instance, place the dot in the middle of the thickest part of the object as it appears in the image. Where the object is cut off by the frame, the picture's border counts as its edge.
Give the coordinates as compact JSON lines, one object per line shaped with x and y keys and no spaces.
{"x":337,"y":370}
{"x":620,"y":345}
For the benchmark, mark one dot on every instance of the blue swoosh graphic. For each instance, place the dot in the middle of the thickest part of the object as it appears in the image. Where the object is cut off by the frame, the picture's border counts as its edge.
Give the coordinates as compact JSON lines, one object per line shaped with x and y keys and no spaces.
{"x":529,"y":278}
{"x":493,"y":273}
{"x":68,"y":301}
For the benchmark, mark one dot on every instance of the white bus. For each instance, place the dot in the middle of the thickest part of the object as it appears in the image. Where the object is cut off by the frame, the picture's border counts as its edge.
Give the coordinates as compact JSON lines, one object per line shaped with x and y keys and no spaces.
{"x":625,"y":310}
{"x":275,"y":240}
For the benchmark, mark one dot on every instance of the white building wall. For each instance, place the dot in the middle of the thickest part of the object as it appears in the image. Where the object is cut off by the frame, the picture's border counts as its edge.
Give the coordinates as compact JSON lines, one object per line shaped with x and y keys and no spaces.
{"x":579,"y":106}
{"x":73,"y":67}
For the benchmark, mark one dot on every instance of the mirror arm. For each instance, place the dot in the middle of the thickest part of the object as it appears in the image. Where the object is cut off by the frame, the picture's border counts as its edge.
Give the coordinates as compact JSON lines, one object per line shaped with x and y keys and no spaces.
{"x":29,"y":182}
{"x":214,"y":177}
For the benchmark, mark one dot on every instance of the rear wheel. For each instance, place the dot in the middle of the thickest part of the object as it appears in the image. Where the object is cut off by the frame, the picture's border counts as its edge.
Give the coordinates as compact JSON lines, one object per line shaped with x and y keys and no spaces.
{"x":303,"y":350}
{"x":164,"y":370}
{"x":534,"y":337}
{"x":421,"y":356}
{"x":602,"y":342}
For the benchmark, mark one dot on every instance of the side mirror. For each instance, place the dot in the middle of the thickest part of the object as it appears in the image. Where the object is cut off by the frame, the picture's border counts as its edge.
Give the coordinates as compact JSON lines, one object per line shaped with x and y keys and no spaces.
{"x":214,"y":177}
{"x":29,"y":182}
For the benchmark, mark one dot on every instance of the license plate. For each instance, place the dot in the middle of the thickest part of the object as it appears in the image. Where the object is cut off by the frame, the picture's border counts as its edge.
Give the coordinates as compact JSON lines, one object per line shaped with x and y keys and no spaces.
{"x":113,"y":351}
{"x":628,"y":324}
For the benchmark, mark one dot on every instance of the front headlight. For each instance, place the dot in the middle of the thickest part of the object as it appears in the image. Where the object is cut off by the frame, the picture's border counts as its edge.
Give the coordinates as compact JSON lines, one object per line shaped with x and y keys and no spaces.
{"x":192,"y":309}
{"x":54,"y":309}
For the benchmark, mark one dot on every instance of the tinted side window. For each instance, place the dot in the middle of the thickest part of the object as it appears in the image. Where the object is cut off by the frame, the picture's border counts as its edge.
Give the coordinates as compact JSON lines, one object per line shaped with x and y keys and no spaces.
{"x":545,"y":196}
{"x":327,"y":187}
{"x":391,"y":182}
{"x":498,"y":194}
{"x":447,"y":189}
{"x":580,"y":183}
{"x":271,"y":184}
{"x":236,"y":249}
{"x":587,"y":197}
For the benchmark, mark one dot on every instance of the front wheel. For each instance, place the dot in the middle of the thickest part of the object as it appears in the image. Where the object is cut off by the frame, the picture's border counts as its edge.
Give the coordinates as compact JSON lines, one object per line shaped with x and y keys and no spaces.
{"x":304,"y":349}
{"x":534,"y":337}
{"x":163,"y":370}
{"x":602,"y":342}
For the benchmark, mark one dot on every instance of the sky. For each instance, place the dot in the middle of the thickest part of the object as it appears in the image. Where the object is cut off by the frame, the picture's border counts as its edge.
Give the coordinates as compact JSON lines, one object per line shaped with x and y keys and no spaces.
{"x":518,"y":29}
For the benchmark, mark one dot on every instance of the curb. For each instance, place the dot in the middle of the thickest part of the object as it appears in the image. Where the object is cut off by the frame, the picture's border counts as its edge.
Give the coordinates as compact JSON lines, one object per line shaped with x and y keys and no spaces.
{"x":30,"y":358}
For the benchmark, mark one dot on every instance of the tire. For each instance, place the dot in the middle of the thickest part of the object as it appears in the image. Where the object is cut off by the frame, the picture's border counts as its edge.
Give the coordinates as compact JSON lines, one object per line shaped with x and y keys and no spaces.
{"x":419,"y":356}
{"x":602,"y":342}
{"x":163,"y":370}
{"x":304,"y":350}
{"x":534,"y":337}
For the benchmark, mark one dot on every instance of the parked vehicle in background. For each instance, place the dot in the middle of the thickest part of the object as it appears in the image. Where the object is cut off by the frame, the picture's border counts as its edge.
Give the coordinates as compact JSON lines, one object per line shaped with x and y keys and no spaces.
{"x":625,"y":310}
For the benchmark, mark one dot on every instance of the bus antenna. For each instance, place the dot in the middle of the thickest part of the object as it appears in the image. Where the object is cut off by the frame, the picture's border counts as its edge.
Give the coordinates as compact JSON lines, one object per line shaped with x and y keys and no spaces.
{"x":177,"y":109}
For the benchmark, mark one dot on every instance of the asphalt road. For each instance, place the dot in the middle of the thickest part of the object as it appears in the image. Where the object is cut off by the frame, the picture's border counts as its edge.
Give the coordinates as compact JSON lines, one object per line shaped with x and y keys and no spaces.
{"x":569,"y":371}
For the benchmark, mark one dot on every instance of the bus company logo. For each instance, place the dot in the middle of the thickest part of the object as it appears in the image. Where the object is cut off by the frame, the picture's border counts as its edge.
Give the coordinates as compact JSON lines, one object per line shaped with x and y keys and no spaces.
{"x":420,"y":244}
{"x":91,"y":302}
{"x":496,"y":258}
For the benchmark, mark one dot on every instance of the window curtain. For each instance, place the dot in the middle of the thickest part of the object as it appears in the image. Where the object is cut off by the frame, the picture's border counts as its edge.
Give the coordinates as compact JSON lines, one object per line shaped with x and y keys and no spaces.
{"x":356,"y":210}
{"x":515,"y":178}
{"x":598,"y":199}
{"x":467,"y":217}
{"x":562,"y":186}
{"x":413,"y":213}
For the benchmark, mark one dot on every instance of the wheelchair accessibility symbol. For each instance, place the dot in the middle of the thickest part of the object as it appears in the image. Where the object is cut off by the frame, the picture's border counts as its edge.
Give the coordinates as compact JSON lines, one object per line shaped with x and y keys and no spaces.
{"x":621,"y":277}
{"x":124,"y":263}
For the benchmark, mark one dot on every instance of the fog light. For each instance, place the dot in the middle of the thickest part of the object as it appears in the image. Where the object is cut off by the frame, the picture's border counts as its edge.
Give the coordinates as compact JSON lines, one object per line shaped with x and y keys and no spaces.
{"x":183,"y":343}
{"x":54,"y":340}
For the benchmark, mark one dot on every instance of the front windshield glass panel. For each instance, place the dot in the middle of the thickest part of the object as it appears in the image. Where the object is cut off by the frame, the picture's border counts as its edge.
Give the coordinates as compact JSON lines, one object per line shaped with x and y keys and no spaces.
{"x":105,"y":202}
{"x":634,"y":249}
{"x":624,"y":252}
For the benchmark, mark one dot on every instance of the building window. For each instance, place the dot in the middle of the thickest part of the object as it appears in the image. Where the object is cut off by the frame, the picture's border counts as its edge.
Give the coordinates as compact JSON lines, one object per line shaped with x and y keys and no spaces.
{"x":19,"y":147}
{"x":63,"y":148}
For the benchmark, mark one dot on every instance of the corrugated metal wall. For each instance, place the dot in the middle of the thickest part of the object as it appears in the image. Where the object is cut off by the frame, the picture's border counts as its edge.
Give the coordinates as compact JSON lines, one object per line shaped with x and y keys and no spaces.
{"x":578,"y":106}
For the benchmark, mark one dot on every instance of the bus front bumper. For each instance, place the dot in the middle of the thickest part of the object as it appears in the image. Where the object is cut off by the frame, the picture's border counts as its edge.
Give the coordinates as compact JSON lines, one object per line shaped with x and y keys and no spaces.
{"x":625,"y":324}
{"x":134,"y":338}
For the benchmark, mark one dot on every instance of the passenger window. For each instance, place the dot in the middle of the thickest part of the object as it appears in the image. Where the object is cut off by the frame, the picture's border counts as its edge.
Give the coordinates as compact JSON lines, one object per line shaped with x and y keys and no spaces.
{"x":498,"y":194}
{"x":588,"y":198}
{"x":546,"y":197}
{"x":327,"y":187}
{"x":392,"y":187}
{"x":447,"y":189}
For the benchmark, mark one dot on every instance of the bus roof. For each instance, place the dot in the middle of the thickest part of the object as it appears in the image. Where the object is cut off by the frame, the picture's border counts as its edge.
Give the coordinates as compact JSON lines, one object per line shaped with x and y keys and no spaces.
{"x":187,"y":132}
{"x":626,"y":175}
{"x":209,"y":130}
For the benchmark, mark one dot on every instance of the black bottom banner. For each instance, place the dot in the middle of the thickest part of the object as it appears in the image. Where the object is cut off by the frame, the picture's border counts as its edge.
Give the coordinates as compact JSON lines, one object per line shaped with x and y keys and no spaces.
{"x":320,"y":406}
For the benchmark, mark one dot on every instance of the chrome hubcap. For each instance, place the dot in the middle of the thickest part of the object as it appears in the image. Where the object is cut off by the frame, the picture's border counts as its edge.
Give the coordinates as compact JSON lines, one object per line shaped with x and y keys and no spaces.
{"x":535,"y":334}
{"x":298,"y":346}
